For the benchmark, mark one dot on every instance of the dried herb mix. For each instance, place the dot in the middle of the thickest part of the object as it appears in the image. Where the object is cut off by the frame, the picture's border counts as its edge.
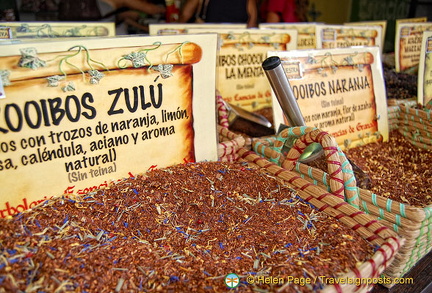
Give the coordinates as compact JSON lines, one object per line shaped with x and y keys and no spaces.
{"x":398,"y":170}
{"x":181,"y":228}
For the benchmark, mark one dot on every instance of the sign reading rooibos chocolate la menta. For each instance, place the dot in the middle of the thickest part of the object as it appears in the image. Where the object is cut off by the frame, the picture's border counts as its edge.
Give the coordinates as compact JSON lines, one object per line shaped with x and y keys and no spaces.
{"x":340,"y":91}
{"x":77,"y":115}
{"x":240,"y":77}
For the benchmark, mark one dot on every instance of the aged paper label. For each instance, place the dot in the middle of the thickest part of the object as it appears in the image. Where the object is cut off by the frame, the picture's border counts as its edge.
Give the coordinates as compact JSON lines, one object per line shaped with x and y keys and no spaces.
{"x":344,"y":36}
{"x":382,"y":24}
{"x":77,"y":117}
{"x":340,"y":91}
{"x":306,"y":38}
{"x":24,"y":30}
{"x":425,"y":70}
{"x":410,"y":20}
{"x":240,"y":78}
{"x":158,"y":29}
{"x":408,"y":44}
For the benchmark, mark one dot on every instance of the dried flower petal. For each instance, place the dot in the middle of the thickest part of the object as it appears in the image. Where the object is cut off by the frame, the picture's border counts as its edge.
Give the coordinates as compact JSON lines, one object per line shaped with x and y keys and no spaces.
{"x":69,"y":87}
{"x":137,"y":59}
{"x":4,"y":76}
{"x":24,"y":28}
{"x":29,"y":59}
{"x":53,"y":81}
{"x":334,"y":68}
{"x":349,"y":60}
{"x":165,"y":70}
{"x":311,"y":60}
{"x":239,"y":46}
{"x":266,"y":39}
{"x":95,"y":76}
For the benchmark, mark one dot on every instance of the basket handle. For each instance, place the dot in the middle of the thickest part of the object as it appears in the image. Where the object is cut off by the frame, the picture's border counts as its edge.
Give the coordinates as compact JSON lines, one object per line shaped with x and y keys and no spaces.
{"x":222,"y":111}
{"x":342,"y":181}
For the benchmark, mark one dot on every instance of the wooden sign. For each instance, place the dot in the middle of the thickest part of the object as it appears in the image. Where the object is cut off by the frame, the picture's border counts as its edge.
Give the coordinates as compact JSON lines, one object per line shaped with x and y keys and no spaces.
{"x":77,"y":115}
{"x":338,"y":90}
{"x":425,"y":70}
{"x":344,"y":36}
{"x":306,"y":38}
{"x":158,"y":29}
{"x":241,"y":80}
{"x":36,"y":29}
{"x":408,"y":44}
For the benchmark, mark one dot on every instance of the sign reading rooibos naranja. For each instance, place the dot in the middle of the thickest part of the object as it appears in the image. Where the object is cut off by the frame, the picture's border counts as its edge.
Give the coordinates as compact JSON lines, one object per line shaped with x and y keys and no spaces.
{"x":340,"y":91}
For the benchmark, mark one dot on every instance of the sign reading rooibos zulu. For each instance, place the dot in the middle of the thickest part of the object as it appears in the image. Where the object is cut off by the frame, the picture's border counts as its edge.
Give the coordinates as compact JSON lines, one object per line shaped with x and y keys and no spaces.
{"x":75,"y":117}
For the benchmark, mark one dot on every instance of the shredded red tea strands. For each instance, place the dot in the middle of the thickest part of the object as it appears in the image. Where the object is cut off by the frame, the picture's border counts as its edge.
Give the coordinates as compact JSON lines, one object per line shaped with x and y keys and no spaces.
{"x":398,"y":170}
{"x":181,"y":228}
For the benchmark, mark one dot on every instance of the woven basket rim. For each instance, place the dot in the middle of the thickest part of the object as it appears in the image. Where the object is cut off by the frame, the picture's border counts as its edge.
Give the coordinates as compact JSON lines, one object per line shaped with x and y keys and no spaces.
{"x":358,"y":272}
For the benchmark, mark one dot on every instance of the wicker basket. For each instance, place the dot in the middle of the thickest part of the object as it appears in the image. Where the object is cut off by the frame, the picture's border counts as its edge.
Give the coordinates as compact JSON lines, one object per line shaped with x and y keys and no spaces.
{"x":330,"y":197}
{"x":416,"y":125}
{"x":394,"y":111}
{"x":397,"y":102}
{"x":236,"y":147}
{"x":412,"y":223}
{"x":229,"y":142}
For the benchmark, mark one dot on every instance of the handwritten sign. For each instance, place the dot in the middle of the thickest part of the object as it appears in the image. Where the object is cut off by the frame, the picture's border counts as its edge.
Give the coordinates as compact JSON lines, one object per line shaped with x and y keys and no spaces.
{"x":76,"y":117}
{"x":425,"y":70}
{"x":340,"y":91}
{"x":408,"y":44}
{"x":158,"y":29}
{"x":241,"y":80}
{"x":306,"y":38}
{"x":344,"y":36}
{"x":24,"y":30}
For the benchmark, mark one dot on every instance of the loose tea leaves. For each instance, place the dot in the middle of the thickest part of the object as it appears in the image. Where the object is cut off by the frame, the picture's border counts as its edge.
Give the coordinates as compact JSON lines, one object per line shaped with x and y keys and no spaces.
{"x":398,"y":170}
{"x":181,"y":228}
